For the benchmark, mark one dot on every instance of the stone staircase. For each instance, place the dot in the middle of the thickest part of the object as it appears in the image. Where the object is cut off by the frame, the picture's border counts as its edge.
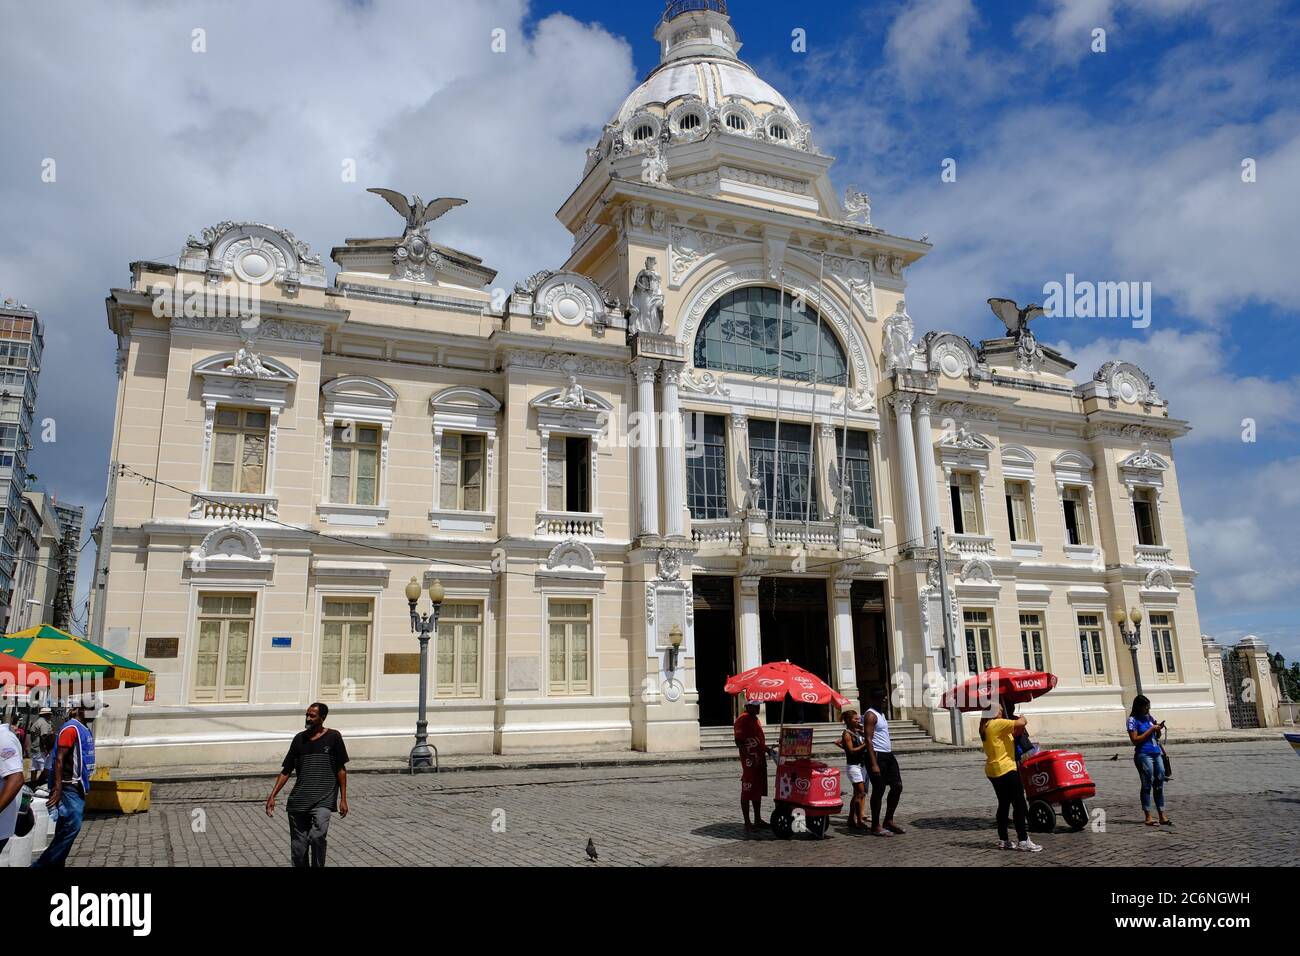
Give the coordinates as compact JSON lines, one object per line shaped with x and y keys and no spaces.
{"x":901,"y":733}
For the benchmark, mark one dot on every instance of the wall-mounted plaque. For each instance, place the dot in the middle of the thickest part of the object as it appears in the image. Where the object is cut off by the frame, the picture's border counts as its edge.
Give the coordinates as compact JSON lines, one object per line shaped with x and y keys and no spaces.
{"x":162,"y":647}
{"x":523,"y":672}
{"x":401,"y":663}
{"x":670,"y":611}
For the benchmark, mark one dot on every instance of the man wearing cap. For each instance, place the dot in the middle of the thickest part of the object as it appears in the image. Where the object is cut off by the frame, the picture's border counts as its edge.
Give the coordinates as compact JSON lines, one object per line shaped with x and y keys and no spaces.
{"x":11,"y":783}
{"x":71,"y":764}
{"x":752,"y":745}
{"x":40,"y":738}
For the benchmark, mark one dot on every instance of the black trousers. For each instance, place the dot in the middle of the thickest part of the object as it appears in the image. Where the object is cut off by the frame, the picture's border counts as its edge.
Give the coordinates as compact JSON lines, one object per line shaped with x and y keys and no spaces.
{"x":1011,"y":800}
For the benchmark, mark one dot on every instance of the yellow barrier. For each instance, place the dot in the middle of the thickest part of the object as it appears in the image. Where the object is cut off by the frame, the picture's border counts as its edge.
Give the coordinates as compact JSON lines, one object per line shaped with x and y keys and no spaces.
{"x":119,"y":796}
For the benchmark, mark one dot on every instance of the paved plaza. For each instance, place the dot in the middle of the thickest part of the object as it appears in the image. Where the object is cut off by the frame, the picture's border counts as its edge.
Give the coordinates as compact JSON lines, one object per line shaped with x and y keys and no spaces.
{"x":1233,"y":804}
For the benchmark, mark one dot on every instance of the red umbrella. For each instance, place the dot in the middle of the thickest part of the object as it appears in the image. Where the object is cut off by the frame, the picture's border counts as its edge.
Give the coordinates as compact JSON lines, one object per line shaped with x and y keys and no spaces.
{"x":15,"y":672}
{"x":778,"y":679}
{"x":1012,"y":685}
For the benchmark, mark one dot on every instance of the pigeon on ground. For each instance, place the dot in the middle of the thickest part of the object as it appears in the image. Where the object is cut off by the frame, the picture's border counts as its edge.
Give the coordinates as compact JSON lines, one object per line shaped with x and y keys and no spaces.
{"x":1114,"y":756}
{"x":591,"y":850}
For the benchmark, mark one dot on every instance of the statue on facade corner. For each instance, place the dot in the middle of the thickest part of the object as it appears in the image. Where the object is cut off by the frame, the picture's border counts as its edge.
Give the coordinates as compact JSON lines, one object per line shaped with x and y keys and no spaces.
{"x":415,"y":210}
{"x":857,"y":206}
{"x":898,"y":338}
{"x":647,"y":310}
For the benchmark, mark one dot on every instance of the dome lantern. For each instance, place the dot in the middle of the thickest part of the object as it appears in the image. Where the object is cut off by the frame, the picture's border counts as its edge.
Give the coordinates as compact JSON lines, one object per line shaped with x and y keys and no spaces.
{"x":696,"y":28}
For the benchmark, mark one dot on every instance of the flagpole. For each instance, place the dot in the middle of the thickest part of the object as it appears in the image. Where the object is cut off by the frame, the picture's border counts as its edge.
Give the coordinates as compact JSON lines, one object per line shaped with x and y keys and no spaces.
{"x":776,"y":451}
{"x":812,"y":413}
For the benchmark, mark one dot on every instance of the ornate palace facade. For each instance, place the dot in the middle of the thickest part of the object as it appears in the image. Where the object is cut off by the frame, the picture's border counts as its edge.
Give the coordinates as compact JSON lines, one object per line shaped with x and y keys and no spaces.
{"x":713,"y":426}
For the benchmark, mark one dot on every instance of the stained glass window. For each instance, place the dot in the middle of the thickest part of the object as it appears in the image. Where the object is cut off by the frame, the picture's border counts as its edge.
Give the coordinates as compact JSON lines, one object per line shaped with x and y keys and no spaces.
{"x":740,"y":334}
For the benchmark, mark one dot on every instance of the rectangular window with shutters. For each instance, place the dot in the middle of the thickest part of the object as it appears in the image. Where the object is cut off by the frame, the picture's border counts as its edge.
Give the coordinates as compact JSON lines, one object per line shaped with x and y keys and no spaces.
{"x":1032,"y":641}
{"x":1074,"y":500}
{"x":1163,"y":647}
{"x":460,"y":650}
{"x":706,"y":471}
{"x":569,"y":647}
{"x":224,"y":648}
{"x":354,"y":464}
{"x":857,"y":466}
{"x":239,"y":437}
{"x":1018,"y":517}
{"x":464,"y":465}
{"x":568,"y":473}
{"x":979,"y":640}
{"x":346,"y":627}
{"x":1091,"y":650}
{"x":964,"y":489}
{"x":1144,"y":512}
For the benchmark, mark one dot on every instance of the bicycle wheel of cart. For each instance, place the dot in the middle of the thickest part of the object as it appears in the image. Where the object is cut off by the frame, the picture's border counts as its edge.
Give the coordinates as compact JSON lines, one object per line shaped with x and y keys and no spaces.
{"x":1042,"y":818}
{"x":817,"y":826}
{"x":782,"y":820}
{"x":1075,"y":813}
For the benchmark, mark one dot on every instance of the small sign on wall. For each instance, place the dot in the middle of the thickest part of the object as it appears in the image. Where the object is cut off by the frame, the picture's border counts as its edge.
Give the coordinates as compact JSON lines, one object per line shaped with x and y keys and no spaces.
{"x":523,"y":672}
{"x":162,"y":647}
{"x":150,"y":688}
{"x":282,"y":642}
{"x":401,"y":663}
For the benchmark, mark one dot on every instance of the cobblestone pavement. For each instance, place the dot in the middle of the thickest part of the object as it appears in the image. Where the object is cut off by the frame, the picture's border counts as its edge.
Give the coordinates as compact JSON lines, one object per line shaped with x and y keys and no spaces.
{"x":1232,"y":804}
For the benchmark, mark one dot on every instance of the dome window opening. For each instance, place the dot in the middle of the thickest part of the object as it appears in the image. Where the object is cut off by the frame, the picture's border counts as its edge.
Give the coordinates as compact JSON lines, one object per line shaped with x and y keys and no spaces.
{"x":643,"y":132}
{"x":737,"y":122}
{"x":690,"y":121}
{"x":779,"y":132}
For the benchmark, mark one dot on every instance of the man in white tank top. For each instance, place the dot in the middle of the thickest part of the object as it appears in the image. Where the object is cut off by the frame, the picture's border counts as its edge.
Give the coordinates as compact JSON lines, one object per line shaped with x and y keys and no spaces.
{"x":882,"y":766}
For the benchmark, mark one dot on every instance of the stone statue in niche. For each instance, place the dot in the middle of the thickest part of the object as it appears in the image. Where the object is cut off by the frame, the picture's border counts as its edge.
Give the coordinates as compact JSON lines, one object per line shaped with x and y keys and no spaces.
{"x":647,"y":311}
{"x":246,"y":361}
{"x":573,"y":395}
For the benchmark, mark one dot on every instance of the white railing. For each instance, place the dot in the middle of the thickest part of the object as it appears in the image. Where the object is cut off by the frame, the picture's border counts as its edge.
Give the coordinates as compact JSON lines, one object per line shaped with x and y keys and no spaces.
{"x":1153,"y":554}
{"x":570,"y":524}
{"x":971,"y":544}
{"x":225,"y":506}
{"x":871,"y":540}
{"x":826,"y":533}
{"x":724,"y":531}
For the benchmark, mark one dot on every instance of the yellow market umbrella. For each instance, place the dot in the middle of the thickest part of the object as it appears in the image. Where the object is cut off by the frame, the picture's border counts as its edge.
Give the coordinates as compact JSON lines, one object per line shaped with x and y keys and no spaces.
{"x":67,"y":656}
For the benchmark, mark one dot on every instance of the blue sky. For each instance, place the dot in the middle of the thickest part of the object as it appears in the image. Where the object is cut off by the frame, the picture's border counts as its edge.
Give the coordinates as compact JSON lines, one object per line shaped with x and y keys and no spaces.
{"x":1122,"y":165}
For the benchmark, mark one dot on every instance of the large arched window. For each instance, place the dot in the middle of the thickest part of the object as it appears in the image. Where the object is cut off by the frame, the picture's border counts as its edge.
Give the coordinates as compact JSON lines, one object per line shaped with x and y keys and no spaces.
{"x":740,"y":334}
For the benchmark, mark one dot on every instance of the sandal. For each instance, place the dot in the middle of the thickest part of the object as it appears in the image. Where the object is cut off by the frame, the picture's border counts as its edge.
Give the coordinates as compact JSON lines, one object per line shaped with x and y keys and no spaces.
{"x":1166,"y":822}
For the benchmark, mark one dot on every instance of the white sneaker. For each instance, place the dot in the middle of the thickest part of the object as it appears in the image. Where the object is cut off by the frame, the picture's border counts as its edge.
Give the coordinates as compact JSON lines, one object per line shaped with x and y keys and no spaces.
{"x":1006,"y":844}
{"x":1029,"y":846}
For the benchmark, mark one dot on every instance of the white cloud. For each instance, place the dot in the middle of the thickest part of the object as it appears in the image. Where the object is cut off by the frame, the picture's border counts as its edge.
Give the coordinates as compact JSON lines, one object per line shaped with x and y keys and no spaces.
{"x":928,"y":49}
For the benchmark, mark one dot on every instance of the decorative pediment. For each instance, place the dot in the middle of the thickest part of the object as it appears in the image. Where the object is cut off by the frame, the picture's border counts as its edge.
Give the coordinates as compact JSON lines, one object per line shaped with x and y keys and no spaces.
{"x":1127,"y":383}
{"x":230,"y":547}
{"x":1017,"y":461}
{"x":963,"y":447}
{"x":949,"y":354}
{"x":1159,"y":579}
{"x":255,"y":253}
{"x":235,"y":365}
{"x":359,"y":397}
{"x":463,"y":406}
{"x":976,"y":571}
{"x":571,"y":407}
{"x":245,"y":376}
{"x":1074,"y":467}
{"x":571,"y":560}
{"x":568,"y":298}
{"x":1143,"y":467}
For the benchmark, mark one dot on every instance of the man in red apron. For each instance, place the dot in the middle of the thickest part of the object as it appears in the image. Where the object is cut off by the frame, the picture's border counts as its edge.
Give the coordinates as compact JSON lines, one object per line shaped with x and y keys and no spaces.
{"x":752,"y":744}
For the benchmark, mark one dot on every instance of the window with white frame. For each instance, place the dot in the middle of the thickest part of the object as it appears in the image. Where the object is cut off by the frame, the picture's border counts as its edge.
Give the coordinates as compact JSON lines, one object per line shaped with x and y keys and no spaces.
{"x":1018,"y":517}
{"x":979,"y":640}
{"x":963,"y":487}
{"x":1074,"y":503}
{"x":223,"y":649}
{"x":1146,"y":516}
{"x":1163,"y":646}
{"x":1032,"y":641}
{"x":1091,"y":650}
{"x":569,"y":647}
{"x":354,"y":464}
{"x":568,"y":473}
{"x":464,"y":465}
{"x":346,"y":628}
{"x":239,"y":442}
{"x":460,"y":650}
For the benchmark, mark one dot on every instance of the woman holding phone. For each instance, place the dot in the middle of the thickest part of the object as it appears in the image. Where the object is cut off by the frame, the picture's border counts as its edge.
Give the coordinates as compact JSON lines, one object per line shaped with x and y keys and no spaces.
{"x":1148,"y":756}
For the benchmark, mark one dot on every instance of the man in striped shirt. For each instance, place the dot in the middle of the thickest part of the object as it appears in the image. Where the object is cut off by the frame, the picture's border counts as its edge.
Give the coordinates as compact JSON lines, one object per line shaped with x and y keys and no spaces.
{"x":318,"y":757}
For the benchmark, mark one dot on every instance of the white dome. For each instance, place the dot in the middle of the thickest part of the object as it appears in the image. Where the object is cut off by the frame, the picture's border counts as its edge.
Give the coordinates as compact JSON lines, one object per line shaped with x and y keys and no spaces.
{"x":712,"y":79}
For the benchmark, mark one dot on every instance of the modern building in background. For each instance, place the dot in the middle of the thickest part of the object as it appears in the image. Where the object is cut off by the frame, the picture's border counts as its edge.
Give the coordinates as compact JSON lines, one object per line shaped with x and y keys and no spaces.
{"x":71,"y":520}
{"x":38,"y":564}
{"x":605,"y":568}
{"x":22,"y":340}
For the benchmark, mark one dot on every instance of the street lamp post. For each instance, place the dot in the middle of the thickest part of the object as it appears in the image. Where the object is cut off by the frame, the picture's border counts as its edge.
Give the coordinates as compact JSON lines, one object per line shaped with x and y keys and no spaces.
{"x":1132,"y":636}
{"x":422,"y":625}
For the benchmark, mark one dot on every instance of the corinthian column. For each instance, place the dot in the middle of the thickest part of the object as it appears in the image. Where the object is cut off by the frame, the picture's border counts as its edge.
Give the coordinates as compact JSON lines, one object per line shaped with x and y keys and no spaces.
{"x":643,"y":370}
{"x":674,"y":464}
{"x":925,"y":467}
{"x":912,"y":533}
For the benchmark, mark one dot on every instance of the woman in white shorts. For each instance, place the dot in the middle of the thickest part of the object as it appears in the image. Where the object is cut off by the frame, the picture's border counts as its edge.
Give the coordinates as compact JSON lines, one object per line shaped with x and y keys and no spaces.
{"x":854,"y":743}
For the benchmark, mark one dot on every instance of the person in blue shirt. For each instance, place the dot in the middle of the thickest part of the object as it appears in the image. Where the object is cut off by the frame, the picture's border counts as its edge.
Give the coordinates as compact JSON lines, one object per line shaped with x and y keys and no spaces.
{"x":1144,"y":732}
